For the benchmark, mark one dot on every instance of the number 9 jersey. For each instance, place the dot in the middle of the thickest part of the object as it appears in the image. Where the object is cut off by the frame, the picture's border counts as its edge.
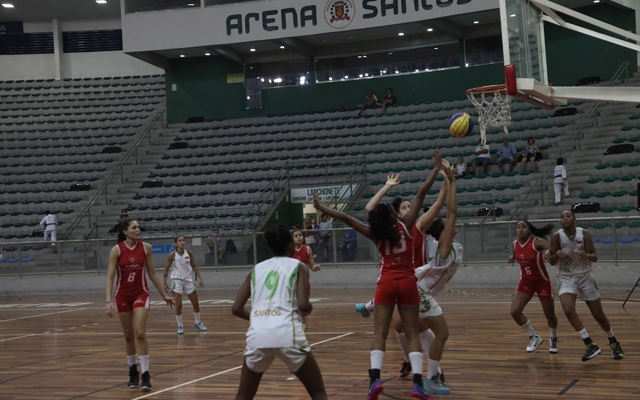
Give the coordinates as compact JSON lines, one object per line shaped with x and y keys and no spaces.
{"x":131,"y":284}
{"x":275,"y":320}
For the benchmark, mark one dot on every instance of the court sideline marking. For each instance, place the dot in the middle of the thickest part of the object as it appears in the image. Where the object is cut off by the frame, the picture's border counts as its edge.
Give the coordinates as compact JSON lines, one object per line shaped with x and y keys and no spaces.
{"x":228,"y":370}
{"x":41,"y":315}
{"x":17,"y":337}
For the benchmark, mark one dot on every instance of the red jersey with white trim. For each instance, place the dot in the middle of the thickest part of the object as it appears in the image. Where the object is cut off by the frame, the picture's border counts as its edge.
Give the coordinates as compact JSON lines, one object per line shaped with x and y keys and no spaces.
{"x":531,"y":261}
{"x":302,"y":254}
{"x":131,"y":270}
{"x":397,"y":261}
{"x":419,"y":247}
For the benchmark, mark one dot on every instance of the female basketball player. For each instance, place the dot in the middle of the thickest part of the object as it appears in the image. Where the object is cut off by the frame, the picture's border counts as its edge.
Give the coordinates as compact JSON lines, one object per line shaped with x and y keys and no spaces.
{"x":572,"y":252}
{"x":279,"y":297}
{"x":528,"y":251}
{"x":130,"y":258}
{"x":303,"y":252}
{"x":432,"y":278}
{"x":182,"y":268}
{"x":396,"y":283}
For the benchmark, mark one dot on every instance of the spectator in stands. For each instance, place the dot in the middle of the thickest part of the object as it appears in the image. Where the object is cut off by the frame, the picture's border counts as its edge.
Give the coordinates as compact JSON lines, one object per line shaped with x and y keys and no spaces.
{"x":214,"y":243}
{"x":388,"y":100}
{"x":349,"y":245}
{"x":325,"y":234}
{"x":506,"y":155}
{"x":50,"y":225}
{"x":560,"y":180}
{"x":483,"y":157}
{"x":370,"y":101}
{"x":310,"y":237}
{"x":461,"y":167}
{"x":531,"y":153}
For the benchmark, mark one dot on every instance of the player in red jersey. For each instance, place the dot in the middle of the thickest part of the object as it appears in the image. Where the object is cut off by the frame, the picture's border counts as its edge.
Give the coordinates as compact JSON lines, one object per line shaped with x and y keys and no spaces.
{"x":303,"y":252}
{"x":530,"y":251}
{"x":130,"y":258}
{"x":396,"y":282}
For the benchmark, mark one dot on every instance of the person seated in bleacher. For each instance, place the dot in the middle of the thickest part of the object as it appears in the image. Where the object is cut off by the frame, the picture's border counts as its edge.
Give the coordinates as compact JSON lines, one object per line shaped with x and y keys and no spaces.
{"x":531,"y":153}
{"x":483,"y":157}
{"x":506,"y":155}
{"x":370,"y":101}
{"x":389,"y":99}
{"x":461,"y":168}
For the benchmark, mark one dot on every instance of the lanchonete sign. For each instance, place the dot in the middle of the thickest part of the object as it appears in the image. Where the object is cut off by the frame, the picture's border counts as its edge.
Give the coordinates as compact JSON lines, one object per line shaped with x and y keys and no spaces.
{"x":325,"y":193}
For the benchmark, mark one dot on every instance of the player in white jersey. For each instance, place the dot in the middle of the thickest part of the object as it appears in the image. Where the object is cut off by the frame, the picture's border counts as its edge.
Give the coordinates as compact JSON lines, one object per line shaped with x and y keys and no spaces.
{"x":279,"y":298}
{"x":433,"y":277}
{"x":572,"y":252}
{"x":183,"y":267}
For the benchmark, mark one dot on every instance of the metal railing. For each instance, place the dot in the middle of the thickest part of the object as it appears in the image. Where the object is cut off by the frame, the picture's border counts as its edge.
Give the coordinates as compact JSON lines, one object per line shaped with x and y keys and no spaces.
{"x":102,"y":190}
{"x":571,"y":142}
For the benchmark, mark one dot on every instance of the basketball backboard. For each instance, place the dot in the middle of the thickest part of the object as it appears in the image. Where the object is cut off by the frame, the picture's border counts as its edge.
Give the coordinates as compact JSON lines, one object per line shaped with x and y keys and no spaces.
{"x":525,"y":58}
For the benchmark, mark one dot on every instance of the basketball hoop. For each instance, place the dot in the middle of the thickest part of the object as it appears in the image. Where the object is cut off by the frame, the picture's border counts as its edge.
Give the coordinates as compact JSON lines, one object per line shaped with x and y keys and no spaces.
{"x":494,"y":107}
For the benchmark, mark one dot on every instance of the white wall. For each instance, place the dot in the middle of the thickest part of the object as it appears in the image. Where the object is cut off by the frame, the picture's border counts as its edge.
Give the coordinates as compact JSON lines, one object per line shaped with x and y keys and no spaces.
{"x":74,"y":65}
{"x":104,"y":63}
{"x":27,"y":66}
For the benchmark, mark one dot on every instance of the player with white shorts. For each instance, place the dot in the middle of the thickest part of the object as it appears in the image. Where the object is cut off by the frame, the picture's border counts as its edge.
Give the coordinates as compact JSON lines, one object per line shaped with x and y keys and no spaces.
{"x":279,"y":298}
{"x":183,"y":267}
{"x":572,"y":251}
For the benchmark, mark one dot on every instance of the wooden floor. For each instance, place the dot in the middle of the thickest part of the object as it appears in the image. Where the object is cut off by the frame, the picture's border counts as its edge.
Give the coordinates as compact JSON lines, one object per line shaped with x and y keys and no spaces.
{"x":64,"y":347}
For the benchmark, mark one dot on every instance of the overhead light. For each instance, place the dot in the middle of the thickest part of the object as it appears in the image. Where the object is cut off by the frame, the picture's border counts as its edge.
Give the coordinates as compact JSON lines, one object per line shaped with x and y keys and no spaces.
{"x":435,"y":48}
{"x":101,"y":1}
{"x":207,"y":54}
{"x":596,"y":1}
{"x":367,"y":74}
{"x":9,"y":5}
{"x":466,"y":64}
{"x":360,"y":76}
{"x":417,"y":70}
{"x":346,"y":77}
{"x":512,"y":15}
{"x":252,"y":49}
{"x":397,"y":72}
{"x":303,"y":80}
{"x":182,"y":56}
{"x":390,"y":53}
{"x":277,"y":80}
{"x":476,"y":22}
{"x":330,"y":78}
{"x":359,"y":56}
{"x":400,"y":33}
{"x":365,"y":56}
{"x":250,"y":67}
{"x":282,"y":47}
{"x":191,"y":5}
{"x":429,"y":29}
{"x":261,"y":79}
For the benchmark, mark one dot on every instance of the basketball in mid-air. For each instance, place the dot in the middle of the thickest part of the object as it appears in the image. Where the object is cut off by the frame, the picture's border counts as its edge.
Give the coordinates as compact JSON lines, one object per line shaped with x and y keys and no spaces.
{"x":460,"y":125}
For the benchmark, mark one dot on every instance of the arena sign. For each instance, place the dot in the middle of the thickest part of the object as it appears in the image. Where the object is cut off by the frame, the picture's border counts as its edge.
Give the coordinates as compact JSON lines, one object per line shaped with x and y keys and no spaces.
{"x":300,"y":16}
{"x":325,"y":193}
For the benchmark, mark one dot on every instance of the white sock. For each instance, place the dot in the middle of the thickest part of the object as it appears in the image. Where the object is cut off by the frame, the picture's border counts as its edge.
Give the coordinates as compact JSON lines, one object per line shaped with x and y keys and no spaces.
{"x":179,"y":319}
{"x":404,"y":345}
{"x":196,"y":315}
{"x":377,"y":356}
{"x":583,"y":334}
{"x":529,"y":329}
{"x":416,"y":362}
{"x":131,"y":360}
{"x":144,"y":363}
{"x":426,"y":338}
{"x":434,"y":367}
{"x":553,"y":332}
{"x":610,"y":333}
{"x":369,"y":306}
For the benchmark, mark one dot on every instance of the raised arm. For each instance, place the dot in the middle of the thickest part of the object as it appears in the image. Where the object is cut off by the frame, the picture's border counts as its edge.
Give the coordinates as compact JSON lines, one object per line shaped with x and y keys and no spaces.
{"x":392,"y":180}
{"x":427,"y":218}
{"x":242,"y":297}
{"x":352,"y":222}
{"x":447,"y":235}
{"x":416,"y":205}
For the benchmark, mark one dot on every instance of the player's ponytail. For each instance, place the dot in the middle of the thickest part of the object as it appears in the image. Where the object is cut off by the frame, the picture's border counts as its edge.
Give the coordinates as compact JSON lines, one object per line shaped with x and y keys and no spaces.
{"x":382,"y":224}
{"x":123,"y":225}
{"x":279,"y":239}
{"x":538,"y":232}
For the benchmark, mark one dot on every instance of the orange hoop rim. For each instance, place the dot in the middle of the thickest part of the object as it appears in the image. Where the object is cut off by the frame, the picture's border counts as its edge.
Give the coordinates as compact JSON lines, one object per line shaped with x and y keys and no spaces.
{"x":489,"y":89}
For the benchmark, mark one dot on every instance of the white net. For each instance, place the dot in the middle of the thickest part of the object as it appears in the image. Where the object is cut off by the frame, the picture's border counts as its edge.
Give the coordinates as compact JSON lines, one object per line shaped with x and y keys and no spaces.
{"x":494,"y":108}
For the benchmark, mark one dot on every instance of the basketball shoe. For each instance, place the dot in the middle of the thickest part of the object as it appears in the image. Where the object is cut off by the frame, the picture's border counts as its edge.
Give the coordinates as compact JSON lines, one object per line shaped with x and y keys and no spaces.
{"x":592,"y":351}
{"x":362,"y":310}
{"x":146,"y":382}
{"x":553,"y":345}
{"x":199,"y":326}
{"x":134,"y":376}
{"x":419,"y":393}
{"x":434,"y":386}
{"x":616,"y":350}
{"x":534,"y":342}
{"x":405,"y":370}
{"x":375,"y":389}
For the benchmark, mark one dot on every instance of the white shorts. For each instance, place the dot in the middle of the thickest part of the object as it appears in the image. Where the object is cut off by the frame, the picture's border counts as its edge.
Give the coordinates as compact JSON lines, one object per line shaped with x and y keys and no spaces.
{"x":259,"y":360}
{"x":182,"y":286}
{"x":584,"y":286}
{"x":428,"y":306}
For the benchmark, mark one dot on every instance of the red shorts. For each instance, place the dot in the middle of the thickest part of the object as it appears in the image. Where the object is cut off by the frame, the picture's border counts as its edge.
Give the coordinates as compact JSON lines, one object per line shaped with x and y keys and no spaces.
{"x":542,"y":288}
{"x":400,"y":291}
{"x":125,"y":303}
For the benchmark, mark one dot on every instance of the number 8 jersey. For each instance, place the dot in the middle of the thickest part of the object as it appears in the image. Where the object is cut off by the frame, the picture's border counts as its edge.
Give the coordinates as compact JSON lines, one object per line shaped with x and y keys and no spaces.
{"x":275,"y":319}
{"x":131,"y":280}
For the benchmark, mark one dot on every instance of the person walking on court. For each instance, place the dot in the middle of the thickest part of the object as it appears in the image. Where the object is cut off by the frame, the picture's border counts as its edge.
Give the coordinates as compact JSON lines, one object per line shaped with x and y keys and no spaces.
{"x":132,"y":259}
{"x":183,"y":266}
{"x":50,"y":225}
{"x":396,"y":282}
{"x":529,"y":251}
{"x":279,"y":298}
{"x":560,"y":180}
{"x":572,"y":252}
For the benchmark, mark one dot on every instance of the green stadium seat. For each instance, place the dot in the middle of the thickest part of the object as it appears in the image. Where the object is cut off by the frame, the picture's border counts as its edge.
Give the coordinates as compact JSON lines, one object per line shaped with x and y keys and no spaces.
{"x":602,"y":194}
{"x":506,"y":200}
{"x":358,"y":208}
{"x":620,"y":224}
{"x":502,"y":187}
{"x":627,"y":128}
{"x":473,"y":189}
{"x":367,"y":196}
{"x":619,"y":140}
{"x":635,"y":163}
{"x":634,"y":224}
{"x":516,"y":186}
{"x":477,"y":202}
{"x":601,"y":225}
{"x":610,"y":179}
{"x":525,"y":172}
{"x":626,"y":178}
{"x":496,"y":175}
{"x":586,"y":195}
{"x":619,"y":193}
{"x":464,"y":203}
{"x":634,"y":139}
{"x":460,"y":190}
{"x":618,"y":164}
{"x":633,"y":192}
{"x":593,"y":181}
{"x":487,"y":188}
{"x":609,"y":209}
{"x":626,"y":209}
{"x":481,"y":176}
{"x":634,"y":116}
{"x":602,"y":166}
{"x":511,"y":173}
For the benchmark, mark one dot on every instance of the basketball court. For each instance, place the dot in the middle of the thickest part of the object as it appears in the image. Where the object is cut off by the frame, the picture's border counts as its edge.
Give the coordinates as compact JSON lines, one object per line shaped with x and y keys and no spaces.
{"x":65,"y":347}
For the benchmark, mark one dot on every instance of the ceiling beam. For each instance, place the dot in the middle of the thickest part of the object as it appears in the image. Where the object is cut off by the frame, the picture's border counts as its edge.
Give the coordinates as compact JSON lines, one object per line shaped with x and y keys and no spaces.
{"x":153,"y":59}
{"x":228,"y":53}
{"x":298,"y":45}
{"x":444,"y":26}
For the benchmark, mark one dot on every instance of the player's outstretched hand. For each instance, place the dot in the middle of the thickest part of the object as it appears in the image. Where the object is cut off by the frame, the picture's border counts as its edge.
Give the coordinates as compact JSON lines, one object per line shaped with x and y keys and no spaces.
{"x":511,"y":259}
{"x":201,"y":282}
{"x":393,"y":179}
{"x":316,"y":200}
{"x":169,"y":300}
{"x":437,"y":160}
{"x":108,"y":309}
{"x":316,"y":267}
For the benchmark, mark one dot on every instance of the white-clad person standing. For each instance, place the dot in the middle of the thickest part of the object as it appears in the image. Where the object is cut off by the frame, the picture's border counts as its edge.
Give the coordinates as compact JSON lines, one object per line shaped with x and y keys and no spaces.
{"x":560,"y":180}
{"x":50,"y":225}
